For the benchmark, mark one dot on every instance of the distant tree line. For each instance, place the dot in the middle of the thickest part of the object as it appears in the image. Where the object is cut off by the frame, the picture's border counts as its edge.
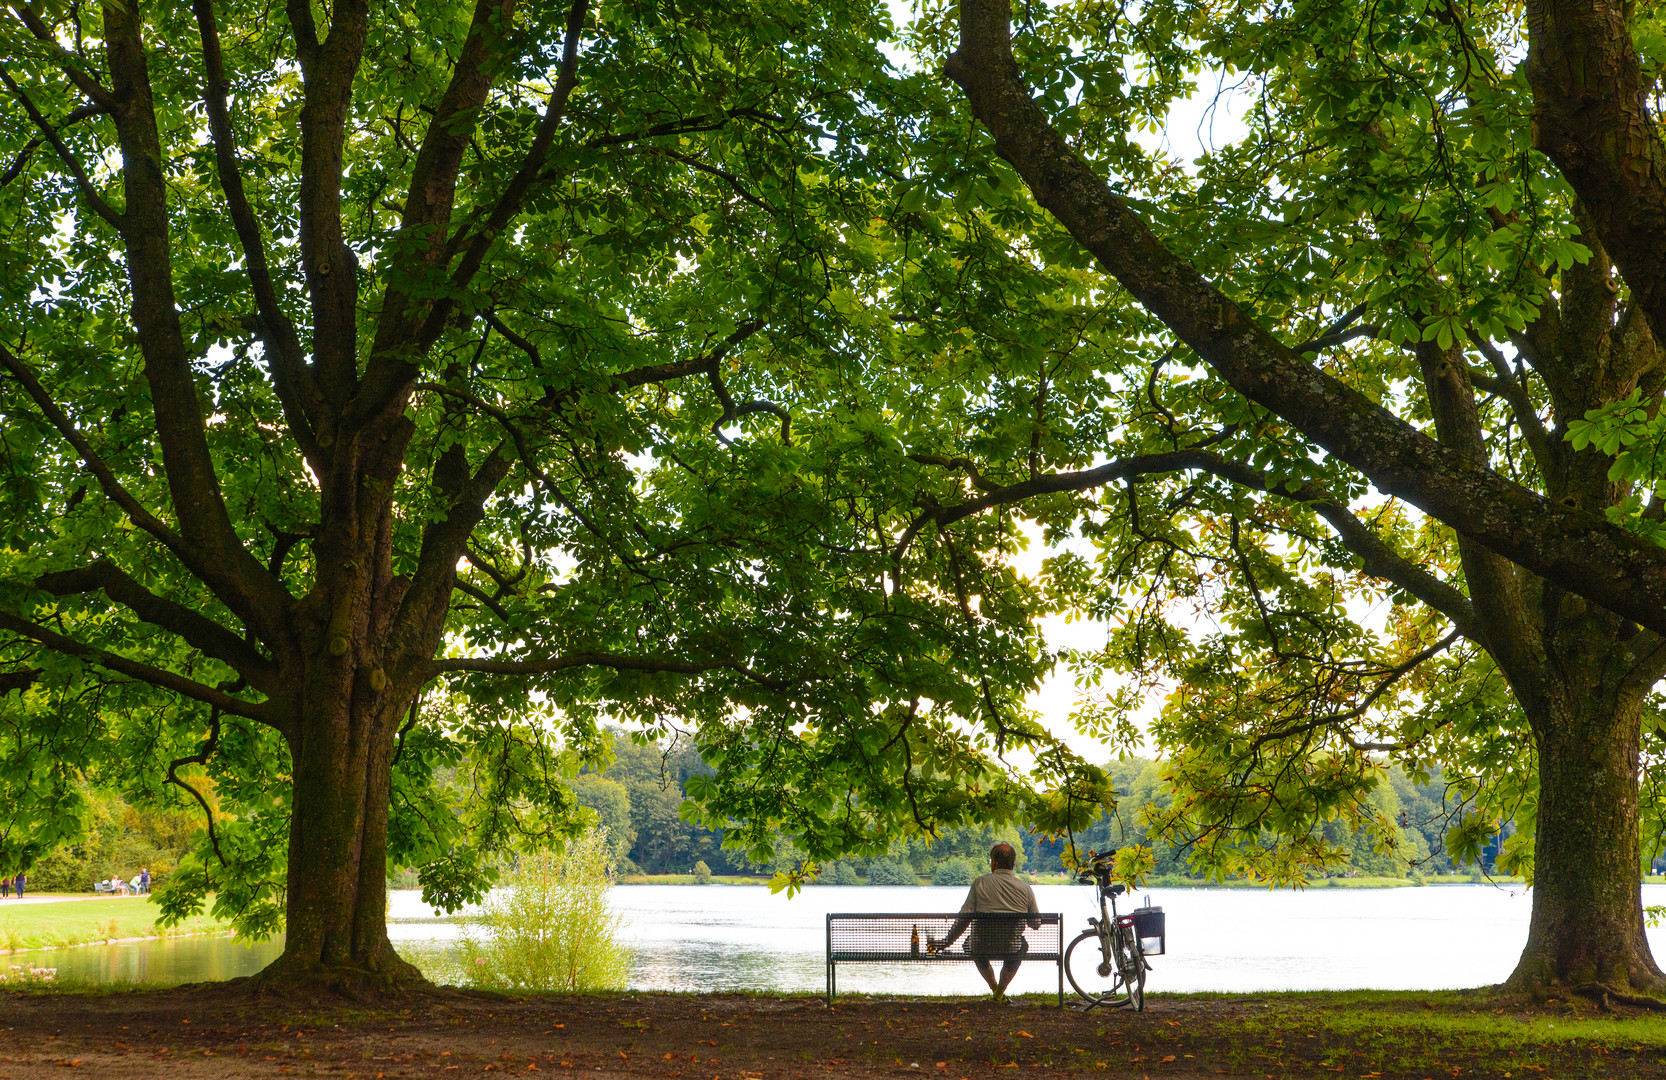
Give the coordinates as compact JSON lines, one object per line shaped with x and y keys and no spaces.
{"x":639,"y":798}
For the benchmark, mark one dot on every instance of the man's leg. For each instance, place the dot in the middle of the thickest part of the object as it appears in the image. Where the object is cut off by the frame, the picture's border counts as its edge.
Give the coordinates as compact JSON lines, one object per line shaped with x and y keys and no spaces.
{"x":1009,"y":968}
{"x":988,"y":974}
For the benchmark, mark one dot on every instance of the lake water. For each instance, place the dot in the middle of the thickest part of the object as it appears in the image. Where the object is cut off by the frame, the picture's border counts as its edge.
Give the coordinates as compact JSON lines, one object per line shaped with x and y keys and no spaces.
{"x":714,"y":937}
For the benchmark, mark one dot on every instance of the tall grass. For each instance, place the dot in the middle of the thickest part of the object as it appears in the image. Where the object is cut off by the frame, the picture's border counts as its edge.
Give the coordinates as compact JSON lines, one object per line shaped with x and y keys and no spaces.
{"x":551,"y":929}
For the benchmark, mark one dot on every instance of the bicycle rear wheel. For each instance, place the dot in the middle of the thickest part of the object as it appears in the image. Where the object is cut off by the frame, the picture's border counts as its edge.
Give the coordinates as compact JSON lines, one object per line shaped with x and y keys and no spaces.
{"x":1130,"y":965}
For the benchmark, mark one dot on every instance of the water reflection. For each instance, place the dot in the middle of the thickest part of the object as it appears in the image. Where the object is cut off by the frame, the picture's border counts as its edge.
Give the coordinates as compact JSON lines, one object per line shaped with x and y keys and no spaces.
{"x":160,"y":961}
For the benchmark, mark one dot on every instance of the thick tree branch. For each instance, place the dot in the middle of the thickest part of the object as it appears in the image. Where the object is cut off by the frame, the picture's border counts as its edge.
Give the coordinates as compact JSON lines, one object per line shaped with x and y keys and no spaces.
{"x":197,"y":630}
{"x":1576,"y":548}
{"x":391,"y":369}
{"x":1377,"y":558}
{"x":416,"y":630}
{"x":653,"y":665}
{"x":133,"y":669}
{"x":75,"y":117}
{"x":328,"y":68}
{"x":223,"y":563}
{"x":88,"y":191}
{"x":302,"y":403}
{"x":1592,"y":119}
{"x":431,"y":196}
{"x":67,"y":62}
{"x":19,"y":680}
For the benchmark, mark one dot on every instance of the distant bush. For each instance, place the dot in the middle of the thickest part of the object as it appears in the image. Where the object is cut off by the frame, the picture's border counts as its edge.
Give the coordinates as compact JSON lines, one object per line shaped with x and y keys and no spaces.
{"x":955,"y":872}
{"x":551,"y":928}
{"x":890,"y":872}
{"x":840,"y":873}
{"x":702,"y":873}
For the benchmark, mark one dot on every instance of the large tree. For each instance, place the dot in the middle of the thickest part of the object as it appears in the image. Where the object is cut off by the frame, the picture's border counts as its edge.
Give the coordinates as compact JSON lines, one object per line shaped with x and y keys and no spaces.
{"x":391,"y":394}
{"x":1429,"y":267}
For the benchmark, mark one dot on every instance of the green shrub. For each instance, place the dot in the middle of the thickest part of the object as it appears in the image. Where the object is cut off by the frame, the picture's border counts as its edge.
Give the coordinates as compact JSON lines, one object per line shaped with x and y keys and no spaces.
{"x":702,"y":873}
{"x":841,"y":873}
{"x":890,"y":872}
{"x":551,"y":928}
{"x":955,"y":872}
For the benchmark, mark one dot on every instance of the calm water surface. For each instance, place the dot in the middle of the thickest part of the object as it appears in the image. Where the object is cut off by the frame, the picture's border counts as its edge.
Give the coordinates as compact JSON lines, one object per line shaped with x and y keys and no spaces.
{"x":714,"y":937}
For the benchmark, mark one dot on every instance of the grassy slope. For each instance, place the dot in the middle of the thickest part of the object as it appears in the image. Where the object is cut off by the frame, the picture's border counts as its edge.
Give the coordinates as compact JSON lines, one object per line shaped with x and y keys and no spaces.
{"x":77,"y":922}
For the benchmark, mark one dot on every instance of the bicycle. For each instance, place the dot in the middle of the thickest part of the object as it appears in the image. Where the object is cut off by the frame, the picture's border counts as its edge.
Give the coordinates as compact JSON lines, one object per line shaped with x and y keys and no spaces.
{"x":1115,"y":954}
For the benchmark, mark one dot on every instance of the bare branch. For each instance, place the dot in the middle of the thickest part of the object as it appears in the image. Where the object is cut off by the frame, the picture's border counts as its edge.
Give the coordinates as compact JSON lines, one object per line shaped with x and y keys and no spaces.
{"x":201,"y":758}
{"x":1340,"y":332}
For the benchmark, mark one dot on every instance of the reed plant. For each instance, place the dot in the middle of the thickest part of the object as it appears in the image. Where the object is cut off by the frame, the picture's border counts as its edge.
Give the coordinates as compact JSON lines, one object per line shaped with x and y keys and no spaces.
{"x":551,"y":927}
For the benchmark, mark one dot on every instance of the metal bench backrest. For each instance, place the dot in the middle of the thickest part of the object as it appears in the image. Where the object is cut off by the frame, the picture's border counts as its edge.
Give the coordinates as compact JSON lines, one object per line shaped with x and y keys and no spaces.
{"x":863,"y":936}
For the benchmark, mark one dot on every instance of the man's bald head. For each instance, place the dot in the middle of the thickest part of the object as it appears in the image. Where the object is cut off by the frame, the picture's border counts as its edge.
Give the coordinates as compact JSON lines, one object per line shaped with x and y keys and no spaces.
{"x":1002,"y":857}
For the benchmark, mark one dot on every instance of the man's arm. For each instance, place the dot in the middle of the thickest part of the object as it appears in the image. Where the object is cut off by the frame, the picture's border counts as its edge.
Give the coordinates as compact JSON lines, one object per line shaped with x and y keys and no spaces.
{"x":1035,"y":924}
{"x":960,"y":924}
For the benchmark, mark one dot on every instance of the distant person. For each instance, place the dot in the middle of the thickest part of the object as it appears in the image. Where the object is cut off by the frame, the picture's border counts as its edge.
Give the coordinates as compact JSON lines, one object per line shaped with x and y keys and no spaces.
{"x":997,"y":892}
{"x":144,"y":880}
{"x":22,"y":880}
{"x":5,"y":888}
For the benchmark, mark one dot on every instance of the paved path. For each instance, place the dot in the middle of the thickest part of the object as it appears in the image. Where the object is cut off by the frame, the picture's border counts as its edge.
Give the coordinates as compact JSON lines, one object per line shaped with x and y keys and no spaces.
{"x":56,"y":898}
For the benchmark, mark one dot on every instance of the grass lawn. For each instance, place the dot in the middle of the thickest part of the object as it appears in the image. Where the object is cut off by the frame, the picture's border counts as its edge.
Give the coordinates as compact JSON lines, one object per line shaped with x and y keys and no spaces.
{"x":78,"y":922}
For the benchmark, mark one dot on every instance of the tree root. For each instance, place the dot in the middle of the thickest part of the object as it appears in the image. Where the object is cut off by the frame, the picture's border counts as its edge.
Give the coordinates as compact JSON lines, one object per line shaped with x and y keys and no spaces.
{"x":1606,"y":997}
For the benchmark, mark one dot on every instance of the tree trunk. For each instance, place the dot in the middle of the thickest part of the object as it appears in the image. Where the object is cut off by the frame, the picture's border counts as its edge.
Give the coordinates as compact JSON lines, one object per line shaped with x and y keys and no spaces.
{"x":337,"y":898}
{"x":1587,"y":920}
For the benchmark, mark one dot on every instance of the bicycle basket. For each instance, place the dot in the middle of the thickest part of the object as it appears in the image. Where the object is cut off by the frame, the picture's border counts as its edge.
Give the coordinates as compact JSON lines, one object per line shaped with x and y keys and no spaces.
{"x":1151,"y":928}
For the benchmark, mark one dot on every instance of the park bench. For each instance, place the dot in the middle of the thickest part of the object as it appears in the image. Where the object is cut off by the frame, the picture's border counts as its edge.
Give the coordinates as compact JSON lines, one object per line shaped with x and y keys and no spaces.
{"x":888,"y":938}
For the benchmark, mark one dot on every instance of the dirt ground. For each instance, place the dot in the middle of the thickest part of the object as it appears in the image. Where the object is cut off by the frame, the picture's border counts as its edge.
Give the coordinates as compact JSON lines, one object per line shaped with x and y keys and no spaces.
{"x":220,"y":1032}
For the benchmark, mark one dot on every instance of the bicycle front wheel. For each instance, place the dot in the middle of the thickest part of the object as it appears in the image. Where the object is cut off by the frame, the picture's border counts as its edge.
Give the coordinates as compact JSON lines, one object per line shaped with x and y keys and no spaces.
{"x":1090,"y":972}
{"x":1130,"y":965}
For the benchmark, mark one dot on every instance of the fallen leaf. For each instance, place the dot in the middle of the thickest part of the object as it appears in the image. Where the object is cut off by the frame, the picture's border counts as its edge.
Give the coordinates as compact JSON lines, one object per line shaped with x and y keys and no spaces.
{"x":1168,"y":1058}
{"x":1025,"y":1035}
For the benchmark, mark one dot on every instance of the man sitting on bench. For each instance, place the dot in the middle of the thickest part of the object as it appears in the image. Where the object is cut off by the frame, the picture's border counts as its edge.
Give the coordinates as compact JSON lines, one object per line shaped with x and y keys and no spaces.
{"x":997,"y":892}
